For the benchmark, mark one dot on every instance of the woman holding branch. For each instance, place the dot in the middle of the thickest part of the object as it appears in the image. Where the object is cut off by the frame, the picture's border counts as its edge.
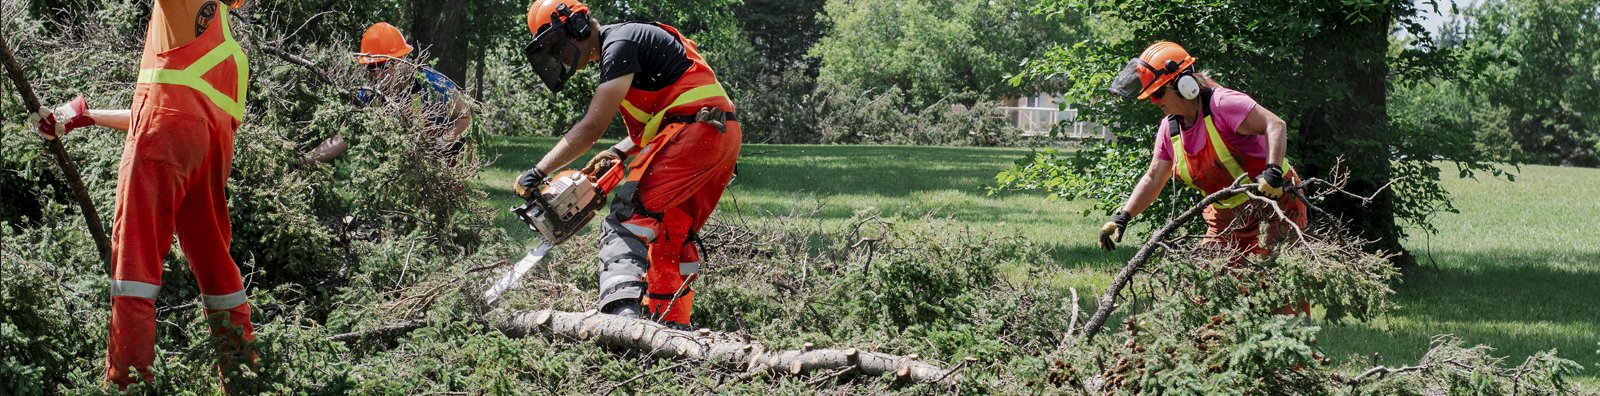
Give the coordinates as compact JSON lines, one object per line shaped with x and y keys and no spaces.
{"x":1211,"y":137}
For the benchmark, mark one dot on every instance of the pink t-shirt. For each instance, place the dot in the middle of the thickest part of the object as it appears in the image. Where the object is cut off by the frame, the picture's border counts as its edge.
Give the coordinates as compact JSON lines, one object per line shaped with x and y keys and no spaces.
{"x":1228,"y":110}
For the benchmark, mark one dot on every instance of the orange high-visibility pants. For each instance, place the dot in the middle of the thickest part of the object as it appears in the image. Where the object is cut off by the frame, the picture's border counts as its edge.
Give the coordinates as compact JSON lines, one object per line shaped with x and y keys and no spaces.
{"x":174,"y":168}
{"x":1240,"y":229}
{"x":670,"y":192}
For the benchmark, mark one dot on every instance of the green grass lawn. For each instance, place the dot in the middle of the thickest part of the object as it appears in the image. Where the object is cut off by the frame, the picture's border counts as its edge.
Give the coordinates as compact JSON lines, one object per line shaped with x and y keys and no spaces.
{"x":1518,"y":269}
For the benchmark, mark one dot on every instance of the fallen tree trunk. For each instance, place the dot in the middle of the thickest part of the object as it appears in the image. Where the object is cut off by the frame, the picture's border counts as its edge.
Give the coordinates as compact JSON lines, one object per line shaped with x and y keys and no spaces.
{"x":658,"y":340}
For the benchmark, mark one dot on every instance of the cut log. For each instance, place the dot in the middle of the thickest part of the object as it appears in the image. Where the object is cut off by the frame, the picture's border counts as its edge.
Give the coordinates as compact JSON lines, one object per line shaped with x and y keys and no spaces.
{"x":660,"y":341}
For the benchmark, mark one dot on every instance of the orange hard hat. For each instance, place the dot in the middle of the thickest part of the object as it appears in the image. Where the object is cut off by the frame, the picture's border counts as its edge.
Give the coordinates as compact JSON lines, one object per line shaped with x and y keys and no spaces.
{"x":1158,"y":65}
{"x":543,"y":13}
{"x":385,"y":40}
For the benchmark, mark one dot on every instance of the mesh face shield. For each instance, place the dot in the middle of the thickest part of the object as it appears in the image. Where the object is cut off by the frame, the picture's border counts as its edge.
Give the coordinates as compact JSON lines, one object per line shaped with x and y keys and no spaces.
{"x":553,"y":57}
{"x":1130,"y":81}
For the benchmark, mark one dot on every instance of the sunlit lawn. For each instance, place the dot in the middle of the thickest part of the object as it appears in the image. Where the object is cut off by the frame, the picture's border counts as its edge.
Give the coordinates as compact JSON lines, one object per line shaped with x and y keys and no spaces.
{"x":1518,"y":269}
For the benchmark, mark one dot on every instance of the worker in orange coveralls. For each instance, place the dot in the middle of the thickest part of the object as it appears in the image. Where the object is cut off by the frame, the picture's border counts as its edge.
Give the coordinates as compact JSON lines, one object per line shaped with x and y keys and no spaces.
{"x":187,"y":104}
{"x":683,"y":138}
{"x":1210,"y":137}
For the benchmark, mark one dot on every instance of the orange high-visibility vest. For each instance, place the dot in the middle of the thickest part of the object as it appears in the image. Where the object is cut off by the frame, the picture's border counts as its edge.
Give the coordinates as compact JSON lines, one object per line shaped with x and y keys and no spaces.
{"x":643,"y":111}
{"x":1216,"y":169}
{"x":216,"y":69}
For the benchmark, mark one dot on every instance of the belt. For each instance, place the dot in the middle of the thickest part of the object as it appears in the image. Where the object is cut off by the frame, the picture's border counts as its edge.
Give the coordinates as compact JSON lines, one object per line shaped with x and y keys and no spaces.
{"x":709,"y":115}
{"x":685,"y":119}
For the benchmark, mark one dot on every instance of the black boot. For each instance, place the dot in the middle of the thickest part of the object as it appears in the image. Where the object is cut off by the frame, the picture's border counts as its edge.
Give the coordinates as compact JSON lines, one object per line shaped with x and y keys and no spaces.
{"x":628,"y":308}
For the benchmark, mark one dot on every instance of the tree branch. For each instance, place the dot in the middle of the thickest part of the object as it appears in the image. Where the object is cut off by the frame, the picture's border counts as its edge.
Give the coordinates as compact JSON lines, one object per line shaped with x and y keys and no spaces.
{"x":1108,"y":300}
{"x":296,"y":59}
{"x":658,"y":340}
{"x":68,"y":168}
{"x":385,"y":332}
{"x":1382,"y":371}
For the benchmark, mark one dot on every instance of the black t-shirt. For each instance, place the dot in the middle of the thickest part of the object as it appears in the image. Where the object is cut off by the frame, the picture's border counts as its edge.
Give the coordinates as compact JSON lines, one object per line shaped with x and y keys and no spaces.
{"x":654,"y":57}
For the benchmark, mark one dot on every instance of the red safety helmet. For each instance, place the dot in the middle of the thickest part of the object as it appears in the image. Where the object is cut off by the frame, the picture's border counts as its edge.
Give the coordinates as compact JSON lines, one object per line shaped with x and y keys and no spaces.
{"x":567,"y":13}
{"x":1158,"y":65}
{"x":557,"y":26}
{"x":382,"y":41}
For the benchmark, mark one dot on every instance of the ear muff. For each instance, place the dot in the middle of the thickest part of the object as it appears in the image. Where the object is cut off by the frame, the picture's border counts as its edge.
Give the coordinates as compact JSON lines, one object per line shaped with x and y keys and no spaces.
{"x":576,"y":24}
{"x":1188,"y":86}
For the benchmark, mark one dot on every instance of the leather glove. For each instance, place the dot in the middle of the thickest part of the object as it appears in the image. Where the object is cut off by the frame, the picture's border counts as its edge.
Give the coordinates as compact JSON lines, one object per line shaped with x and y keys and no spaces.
{"x":1271,"y":181}
{"x":326,"y":151}
{"x":52,"y":124}
{"x":601,"y":161}
{"x":1111,"y":232}
{"x":530,"y":182}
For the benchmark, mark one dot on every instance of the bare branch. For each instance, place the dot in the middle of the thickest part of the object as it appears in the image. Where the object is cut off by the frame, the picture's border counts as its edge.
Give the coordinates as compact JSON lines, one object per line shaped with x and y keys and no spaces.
{"x":1108,"y":300}
{"x":720,"y":349}
{"x":296,"y":59}
{"x":1382,"y":371}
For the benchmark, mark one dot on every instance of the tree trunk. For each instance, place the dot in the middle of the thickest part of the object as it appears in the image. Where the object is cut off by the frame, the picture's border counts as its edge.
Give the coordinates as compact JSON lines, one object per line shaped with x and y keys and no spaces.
{"x":477,"y":84}
{"x":723,"y":350}
{"x":1352,"y":127}
{"x":436,"y":28}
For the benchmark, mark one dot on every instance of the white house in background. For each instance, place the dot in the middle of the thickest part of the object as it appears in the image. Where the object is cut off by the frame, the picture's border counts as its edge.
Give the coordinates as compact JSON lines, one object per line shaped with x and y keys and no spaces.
{"x":1036,"y":114}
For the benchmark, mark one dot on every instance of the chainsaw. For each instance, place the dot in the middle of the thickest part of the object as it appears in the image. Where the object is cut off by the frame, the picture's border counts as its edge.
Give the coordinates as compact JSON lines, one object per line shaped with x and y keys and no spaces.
{"x":561,"y":209}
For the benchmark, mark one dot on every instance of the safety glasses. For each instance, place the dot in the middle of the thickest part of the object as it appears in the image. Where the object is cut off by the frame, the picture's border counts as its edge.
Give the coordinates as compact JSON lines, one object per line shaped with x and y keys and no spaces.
{"x":377,"y":66}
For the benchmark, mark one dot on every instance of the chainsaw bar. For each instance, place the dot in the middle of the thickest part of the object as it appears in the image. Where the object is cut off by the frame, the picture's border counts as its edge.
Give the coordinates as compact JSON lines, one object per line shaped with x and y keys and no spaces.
{"x":511,"y":278}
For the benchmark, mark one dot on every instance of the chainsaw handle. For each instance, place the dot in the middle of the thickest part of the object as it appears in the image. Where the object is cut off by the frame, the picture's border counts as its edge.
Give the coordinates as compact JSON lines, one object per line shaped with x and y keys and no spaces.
{"x":610,"y":178}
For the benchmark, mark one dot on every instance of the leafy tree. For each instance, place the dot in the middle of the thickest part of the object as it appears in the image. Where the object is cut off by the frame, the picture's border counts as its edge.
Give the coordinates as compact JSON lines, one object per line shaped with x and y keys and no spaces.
{"x":1326,"y":67}
{"x":782,"y":31}
{"x":932,"y":49}
{"x":1535,"y":61}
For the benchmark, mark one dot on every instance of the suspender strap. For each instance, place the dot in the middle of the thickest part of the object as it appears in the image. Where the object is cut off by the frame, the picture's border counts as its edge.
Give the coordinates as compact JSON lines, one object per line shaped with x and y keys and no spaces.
{"x":192,"y":76}
{"x":653,"y":122}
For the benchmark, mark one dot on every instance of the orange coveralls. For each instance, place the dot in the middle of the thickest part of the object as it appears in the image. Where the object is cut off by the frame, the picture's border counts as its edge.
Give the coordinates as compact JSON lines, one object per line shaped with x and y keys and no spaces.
{"x":1236,"y":222}
{"x":188,"y":102}
{"x":671,"y":188}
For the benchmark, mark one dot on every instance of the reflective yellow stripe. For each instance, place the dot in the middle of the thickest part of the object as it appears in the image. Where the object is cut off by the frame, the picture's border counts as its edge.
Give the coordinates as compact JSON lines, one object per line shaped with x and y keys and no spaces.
{"x":652,"y":125}
{"x":1180,"y":157}
{"x":633,"y":111}
{"x":1221,"y":148}
{"x":1232,"y":165}
{"x":191,"y":76}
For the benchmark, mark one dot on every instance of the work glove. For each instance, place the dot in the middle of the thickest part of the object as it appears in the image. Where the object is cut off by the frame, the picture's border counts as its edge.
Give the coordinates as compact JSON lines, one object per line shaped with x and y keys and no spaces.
{"x":52,"y":124}
{"x":326,"y":151}
{"x":602,"y":161}
{"x":530,"y":183}
{"x":1270,"y":182}
{"x":1111,"y":232}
